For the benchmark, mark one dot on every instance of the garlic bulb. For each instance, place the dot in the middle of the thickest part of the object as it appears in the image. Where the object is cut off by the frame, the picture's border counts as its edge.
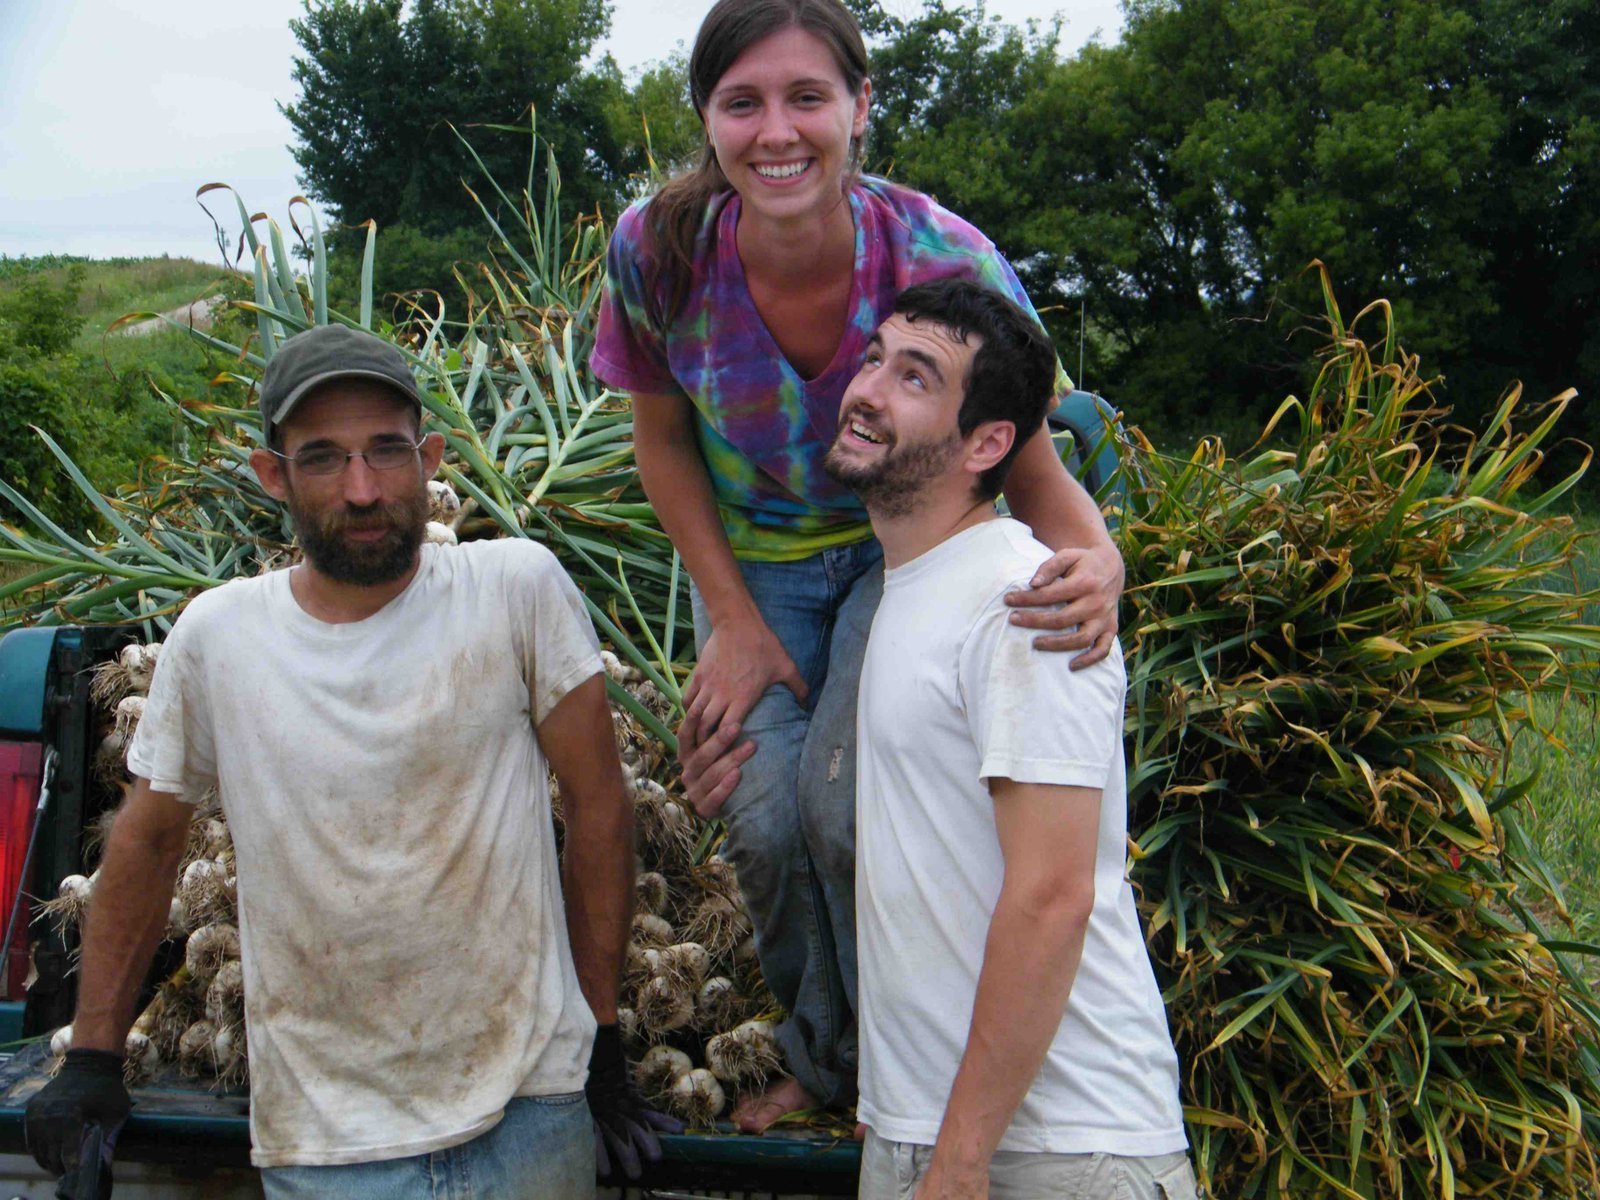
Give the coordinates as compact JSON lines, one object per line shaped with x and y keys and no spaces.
{"x":659,"y":1069}
{"x":141,"y":1059}
{"x":697,"y":1097}
{"x":619,"y":671}
{"x":225,"y":996}
{"x":650,"y":890}
{"x":719,"y":1003}
{"x":129,"y":710}
{"x":664,"y":1004}
{"x":208,"y":948}
{"x":227,"y":1052}
{"x":177,"y":918}
{"x":687,"y":960}
{"x":718,"y":923}
{"x":746,"y":1055}
{"x":651,"y":930}
{"x":194,"y":1049}
{"x":443,"y":503}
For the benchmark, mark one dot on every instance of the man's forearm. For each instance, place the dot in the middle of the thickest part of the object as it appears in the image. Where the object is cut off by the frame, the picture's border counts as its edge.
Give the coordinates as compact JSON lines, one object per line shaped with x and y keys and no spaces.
{"x":597,"y":879}
{"x":126,"y":920}
{"x":1030,"y":960}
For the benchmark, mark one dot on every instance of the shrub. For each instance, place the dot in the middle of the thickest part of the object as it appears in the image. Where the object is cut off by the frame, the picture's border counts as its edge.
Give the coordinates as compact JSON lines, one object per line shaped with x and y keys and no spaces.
{"x":40,"y":316}
{"x":1342,"y":897}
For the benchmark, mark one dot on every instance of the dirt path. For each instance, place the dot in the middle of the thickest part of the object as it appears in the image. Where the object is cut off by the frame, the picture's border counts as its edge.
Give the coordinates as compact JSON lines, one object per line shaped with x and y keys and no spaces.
{"x":198,"y":314}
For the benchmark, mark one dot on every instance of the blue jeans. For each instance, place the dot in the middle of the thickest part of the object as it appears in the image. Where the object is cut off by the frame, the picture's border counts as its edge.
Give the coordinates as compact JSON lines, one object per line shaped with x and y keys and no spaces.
{"x":542,"y":1149}
{"x":792,"y":819}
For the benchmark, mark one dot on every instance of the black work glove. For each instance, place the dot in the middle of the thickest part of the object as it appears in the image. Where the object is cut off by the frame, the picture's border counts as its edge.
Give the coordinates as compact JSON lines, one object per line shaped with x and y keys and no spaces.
{"x":88,"y":1089}
{"x":625,"y":1127}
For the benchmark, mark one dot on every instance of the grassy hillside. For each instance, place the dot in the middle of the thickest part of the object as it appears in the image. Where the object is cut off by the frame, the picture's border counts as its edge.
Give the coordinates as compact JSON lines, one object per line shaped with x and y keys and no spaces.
{"x":92,"y":391}
{"x":108,"y":289}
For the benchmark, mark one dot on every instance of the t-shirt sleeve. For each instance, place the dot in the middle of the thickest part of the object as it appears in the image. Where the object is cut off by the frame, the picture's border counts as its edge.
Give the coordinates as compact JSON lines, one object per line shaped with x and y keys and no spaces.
{"x":173,"y":746}
{"x":558,"y":644}
{"x":1032,"y":717}
{"x":629,"y":353}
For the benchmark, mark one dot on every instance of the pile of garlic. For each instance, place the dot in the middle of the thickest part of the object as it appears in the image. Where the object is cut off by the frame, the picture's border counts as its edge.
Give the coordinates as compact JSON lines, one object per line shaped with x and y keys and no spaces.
{"x":696,"y":1016}
{"x":196,"y":1018}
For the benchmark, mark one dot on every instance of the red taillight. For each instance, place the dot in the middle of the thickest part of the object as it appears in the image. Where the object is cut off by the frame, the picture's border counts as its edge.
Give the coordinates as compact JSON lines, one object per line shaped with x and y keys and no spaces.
{"x":20,"y":764}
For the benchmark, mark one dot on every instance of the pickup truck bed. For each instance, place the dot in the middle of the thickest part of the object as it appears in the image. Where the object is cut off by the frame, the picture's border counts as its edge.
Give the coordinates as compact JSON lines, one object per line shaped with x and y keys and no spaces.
{"x":179,"y":1121}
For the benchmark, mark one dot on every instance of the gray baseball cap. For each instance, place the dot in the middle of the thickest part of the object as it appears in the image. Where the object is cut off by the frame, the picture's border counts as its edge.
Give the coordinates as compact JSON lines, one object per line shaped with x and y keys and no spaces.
{"x":323,"y":354}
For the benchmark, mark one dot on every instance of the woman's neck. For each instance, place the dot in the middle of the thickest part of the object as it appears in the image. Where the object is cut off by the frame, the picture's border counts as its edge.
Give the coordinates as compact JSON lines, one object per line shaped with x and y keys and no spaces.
{"x":801,"y":251}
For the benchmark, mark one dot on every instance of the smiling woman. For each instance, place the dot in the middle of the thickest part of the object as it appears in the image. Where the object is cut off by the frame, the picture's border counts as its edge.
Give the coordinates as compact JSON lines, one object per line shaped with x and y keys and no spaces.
{"x":739,"y":304}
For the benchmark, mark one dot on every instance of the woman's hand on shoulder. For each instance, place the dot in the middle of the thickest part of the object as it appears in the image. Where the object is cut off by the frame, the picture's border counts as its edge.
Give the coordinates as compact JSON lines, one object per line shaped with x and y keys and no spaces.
{"x":1086,"y":584}
{"x":740,"y":661}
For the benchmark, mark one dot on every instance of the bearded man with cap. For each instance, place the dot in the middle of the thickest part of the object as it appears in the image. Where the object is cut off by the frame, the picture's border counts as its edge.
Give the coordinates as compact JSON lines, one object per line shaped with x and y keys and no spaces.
{"x":421,"y":1002}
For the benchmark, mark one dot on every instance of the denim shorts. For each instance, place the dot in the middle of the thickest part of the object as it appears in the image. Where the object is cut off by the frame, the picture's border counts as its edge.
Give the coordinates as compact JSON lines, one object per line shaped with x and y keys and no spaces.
{"x":542,"y":1149}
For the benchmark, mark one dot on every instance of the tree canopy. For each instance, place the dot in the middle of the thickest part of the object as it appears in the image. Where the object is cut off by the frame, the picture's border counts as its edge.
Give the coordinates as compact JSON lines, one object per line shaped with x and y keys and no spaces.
{"x":381,"y":81}
{"x":1180,"y":181}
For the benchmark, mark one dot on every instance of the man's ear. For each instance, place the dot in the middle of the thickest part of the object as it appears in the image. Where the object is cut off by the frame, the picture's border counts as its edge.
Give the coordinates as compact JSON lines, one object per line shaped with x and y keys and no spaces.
{"x":270,"y":471}
{"x":432,"y":452}
{"x":988,"y":443}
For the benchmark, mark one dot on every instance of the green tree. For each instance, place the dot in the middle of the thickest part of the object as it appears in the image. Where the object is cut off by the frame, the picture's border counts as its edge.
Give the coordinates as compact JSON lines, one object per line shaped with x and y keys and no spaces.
{"x":38,"y":321}
{"x":1541,"y":232}
{"x":940,"y":80}
{"x":1180,"y":181}
{"x":34,"y":393}
{"x":380,"y":82}
{"x":657,"y":108}
{"x":98,"y":405}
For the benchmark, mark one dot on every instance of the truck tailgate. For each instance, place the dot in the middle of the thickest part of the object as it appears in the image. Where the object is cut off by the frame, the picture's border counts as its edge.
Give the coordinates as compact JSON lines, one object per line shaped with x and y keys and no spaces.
{"x":180,"y":1121}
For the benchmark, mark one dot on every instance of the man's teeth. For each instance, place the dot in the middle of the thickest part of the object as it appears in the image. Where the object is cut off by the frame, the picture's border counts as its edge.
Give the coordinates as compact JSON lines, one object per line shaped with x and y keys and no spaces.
{"x":865,"y":434}
{"x":784,"y":172}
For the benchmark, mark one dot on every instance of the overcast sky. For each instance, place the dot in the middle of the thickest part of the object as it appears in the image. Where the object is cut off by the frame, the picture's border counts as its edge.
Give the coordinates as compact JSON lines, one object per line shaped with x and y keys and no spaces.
{"x":113,"y":112}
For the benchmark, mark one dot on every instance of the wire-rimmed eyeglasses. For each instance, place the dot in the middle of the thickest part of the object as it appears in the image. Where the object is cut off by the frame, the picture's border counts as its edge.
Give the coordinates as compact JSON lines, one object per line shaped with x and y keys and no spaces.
{"x":325,"y":460}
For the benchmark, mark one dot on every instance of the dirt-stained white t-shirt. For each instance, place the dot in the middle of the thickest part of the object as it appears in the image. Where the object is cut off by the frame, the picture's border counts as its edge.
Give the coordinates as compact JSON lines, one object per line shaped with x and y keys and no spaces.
{"x":952,"y":695}
{"x":406,"y":964}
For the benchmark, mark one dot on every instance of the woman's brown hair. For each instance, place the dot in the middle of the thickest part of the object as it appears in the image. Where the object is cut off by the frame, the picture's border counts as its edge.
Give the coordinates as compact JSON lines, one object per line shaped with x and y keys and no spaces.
{"x":673,"y":217}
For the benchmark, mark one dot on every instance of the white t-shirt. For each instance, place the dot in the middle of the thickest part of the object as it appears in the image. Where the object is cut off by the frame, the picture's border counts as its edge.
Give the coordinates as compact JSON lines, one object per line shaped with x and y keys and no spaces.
{"x":405,"y":953}
{"x":953,"y":694}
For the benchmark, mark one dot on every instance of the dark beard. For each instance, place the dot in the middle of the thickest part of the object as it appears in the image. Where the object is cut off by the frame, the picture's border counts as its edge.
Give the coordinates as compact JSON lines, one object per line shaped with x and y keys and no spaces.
{"x":322,"y":540}
{"x":890,"y":485}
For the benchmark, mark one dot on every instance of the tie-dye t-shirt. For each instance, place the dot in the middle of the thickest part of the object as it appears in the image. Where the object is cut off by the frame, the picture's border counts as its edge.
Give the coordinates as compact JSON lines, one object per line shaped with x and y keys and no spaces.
{"x":763,"y":429}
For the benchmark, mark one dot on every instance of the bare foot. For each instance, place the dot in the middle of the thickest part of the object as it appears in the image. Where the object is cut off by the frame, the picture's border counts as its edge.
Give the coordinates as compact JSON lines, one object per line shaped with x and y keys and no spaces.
{"x":757,"y":1111}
